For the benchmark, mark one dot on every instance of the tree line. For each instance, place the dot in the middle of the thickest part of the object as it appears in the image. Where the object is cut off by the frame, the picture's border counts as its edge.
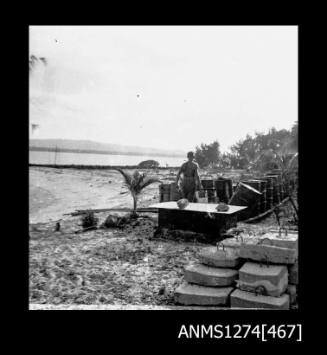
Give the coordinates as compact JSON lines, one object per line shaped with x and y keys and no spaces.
{"x":253,"y":149}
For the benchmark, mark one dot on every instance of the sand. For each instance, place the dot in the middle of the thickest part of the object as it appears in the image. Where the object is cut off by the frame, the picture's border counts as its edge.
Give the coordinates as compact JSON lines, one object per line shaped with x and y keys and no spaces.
{"x":114,"y":268}
{"x":55,"y":192}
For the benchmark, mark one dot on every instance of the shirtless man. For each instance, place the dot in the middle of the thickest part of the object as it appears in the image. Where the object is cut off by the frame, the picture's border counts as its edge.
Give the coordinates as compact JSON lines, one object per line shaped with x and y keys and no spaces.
{"x":191,"y":180}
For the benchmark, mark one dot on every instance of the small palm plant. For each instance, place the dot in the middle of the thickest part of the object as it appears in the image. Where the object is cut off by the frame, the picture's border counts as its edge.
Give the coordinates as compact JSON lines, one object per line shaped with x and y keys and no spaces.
{"x":135,"y":183}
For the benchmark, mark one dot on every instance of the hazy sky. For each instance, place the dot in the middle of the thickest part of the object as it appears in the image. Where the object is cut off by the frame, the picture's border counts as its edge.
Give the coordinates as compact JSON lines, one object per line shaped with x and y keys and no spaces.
{"x":165,"y":87}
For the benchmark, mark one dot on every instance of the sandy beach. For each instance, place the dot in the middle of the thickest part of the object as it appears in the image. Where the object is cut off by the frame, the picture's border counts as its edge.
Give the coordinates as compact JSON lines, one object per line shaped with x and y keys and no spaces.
{"x":56,"y":192}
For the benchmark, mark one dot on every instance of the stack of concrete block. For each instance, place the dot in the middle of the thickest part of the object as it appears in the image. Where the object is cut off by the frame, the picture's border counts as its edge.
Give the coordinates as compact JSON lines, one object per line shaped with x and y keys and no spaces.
{"x":293,"y":281}
{"x":269,"y":276}
{"x":210,"y":281}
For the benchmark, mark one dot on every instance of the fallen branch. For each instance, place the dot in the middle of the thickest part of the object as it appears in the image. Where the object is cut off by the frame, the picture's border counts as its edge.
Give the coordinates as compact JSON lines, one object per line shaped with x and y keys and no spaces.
{"x":294,"y":206}
{"x":266,"y":213}
{"x":141,"y":209}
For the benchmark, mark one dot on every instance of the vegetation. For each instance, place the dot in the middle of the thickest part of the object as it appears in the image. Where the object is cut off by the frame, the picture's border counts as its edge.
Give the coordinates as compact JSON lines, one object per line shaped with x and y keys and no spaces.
{"x":115,"y":221}
{"x":149,"y":164}
{"x":264,"y":147}
{"x":135,"y":183}
{"x":33,"y":61}
{"x":270,"y":149}
{"x":89,"y":221}
{"x":207,"y":155}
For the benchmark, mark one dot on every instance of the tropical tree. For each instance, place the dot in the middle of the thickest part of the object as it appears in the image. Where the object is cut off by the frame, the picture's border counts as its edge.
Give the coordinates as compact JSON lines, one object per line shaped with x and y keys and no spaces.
{"x":207,"y":154}
{"x":148,"y":164}
{"x":246,"y":152}
{"x":225,"y":161}
{"x":33,"y":60}
{"x":135,"y":183}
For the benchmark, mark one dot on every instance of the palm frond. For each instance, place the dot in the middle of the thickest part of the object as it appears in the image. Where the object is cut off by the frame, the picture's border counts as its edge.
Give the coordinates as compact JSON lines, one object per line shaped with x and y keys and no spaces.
{"x":127,"y":177}
{"x":44,"y":60}
{"x":137,"y":179}
{"x":292,"y":161}
{"x":148,"y":181}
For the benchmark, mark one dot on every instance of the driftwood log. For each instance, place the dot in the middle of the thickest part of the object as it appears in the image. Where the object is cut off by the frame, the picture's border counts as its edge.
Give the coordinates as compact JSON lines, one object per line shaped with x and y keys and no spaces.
{"x":99,"y":210}
{"x":266,"y":213}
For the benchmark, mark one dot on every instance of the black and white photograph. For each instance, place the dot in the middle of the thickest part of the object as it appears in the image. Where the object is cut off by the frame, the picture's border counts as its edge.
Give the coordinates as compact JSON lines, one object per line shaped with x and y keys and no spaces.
{"x":163,"y":167}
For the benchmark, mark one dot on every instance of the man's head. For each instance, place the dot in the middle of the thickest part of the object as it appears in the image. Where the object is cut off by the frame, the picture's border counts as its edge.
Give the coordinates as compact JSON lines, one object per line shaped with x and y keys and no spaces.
{"x":190,"y":156}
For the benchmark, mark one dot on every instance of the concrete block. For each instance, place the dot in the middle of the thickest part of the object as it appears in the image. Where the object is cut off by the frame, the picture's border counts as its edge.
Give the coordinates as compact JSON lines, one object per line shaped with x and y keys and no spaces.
{"x":243,"y":299}
{"x":292,"y":292}
{"x":266,"y":252}
{"x":235,"y":243}
{"x":293,"y":273}
{"x":269,"y":280}
{"x":188,"y":294}
{"x":283,"y":241}
{"x":227,"y":258}
{"x":209,"y":276}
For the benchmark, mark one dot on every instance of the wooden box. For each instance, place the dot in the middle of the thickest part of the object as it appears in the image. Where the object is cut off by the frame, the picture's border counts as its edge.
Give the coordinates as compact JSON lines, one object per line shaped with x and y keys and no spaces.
{"x":197,"y":217}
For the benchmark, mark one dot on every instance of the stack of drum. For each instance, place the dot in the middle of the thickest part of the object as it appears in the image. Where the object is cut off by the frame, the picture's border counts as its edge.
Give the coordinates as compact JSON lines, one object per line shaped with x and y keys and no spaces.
{"x":275,"y":188}
{"x":258,"y":193}
{"x":284,"y":187}
{"x":270,"y":188}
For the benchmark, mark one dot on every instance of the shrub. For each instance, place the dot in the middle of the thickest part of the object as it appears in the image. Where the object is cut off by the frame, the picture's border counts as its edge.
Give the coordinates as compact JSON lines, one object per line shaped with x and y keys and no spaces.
{"x":89,"y":220}
{"x":149,"y":164}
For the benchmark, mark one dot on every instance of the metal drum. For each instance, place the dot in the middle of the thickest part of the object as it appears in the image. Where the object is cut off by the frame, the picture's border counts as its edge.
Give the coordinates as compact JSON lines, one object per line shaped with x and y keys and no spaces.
{"x":209,"y":186}
{"x":276,"y":188}
{"x":212,"y":196}
{"x":246,"y":195}
{"x":164,"y":192}
{"x":224,"y":189}
{"x":175,"y":195}
{"x":269,"y":192}
{"x":259,"y":185}
{"x":281,"y":181}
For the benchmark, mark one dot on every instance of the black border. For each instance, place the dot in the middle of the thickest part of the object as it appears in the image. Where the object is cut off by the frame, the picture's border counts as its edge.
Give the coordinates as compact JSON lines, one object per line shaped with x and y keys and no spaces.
{"x":160,"y":326}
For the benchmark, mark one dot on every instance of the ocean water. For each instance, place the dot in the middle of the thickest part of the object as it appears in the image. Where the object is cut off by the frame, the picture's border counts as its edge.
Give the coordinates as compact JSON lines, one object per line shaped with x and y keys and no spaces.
{"x":37,"y":157}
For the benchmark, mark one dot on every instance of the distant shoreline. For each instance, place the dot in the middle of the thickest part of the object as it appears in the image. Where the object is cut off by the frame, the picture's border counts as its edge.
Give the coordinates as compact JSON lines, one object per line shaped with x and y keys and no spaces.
{"x":105,"y":152}
{"x":112,"y":167}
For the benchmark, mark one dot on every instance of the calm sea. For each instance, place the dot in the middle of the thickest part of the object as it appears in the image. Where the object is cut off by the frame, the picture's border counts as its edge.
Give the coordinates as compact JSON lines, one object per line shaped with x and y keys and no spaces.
{"x":37,"y":157}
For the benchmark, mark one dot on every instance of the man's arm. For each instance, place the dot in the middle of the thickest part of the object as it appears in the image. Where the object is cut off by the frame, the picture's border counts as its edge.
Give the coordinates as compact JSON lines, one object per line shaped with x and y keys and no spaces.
{"x":179,"y":173}
{"x":200,"y":187}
